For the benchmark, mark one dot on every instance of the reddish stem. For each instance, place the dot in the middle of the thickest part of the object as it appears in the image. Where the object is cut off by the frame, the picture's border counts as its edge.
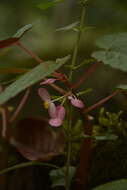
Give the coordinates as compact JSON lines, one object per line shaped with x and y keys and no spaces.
{"x":85,"y":154}
{"x":84,"y":77}
{"x":39,"y":60}
{"x":5,"y":119}
{"x":33,"y":55}
{"x":21,"y":105}
{"x":83,"y":170}
{"x":5,"y":133}
{"x":102,"y":101}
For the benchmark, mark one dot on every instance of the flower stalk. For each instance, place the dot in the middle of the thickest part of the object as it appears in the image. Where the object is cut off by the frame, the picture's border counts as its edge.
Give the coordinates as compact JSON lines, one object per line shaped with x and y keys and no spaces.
{"x":73,"y":63}
{"x":75,"y":52}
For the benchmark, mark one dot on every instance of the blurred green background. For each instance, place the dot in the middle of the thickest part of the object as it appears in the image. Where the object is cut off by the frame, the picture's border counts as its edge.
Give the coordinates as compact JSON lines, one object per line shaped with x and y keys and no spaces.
{"x":105,"y":16}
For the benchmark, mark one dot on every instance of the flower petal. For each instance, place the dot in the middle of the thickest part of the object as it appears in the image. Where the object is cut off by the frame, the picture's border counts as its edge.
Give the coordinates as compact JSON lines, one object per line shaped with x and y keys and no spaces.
{"x":76,"y":102}
{"x":60,"y":112}
{"x":56,"y":122}
{"x":48,"y":81}
{"x":52,"y":110}
{"x":43,"y":93}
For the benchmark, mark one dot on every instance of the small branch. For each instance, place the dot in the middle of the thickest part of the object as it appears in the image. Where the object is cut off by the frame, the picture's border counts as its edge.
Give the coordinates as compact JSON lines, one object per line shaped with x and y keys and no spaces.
{"x":5,"y":119}
{"x":21,"y":105}
{"x":85,"y":76}
{"x":101,"y":102}
{"x":33,"y":55}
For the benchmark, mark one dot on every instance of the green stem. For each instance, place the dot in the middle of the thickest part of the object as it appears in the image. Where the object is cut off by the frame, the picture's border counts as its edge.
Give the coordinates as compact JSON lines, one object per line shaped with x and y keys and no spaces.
{"x":26,"y":164}
{"x":75,"y":52}
{"x":73,"y":63}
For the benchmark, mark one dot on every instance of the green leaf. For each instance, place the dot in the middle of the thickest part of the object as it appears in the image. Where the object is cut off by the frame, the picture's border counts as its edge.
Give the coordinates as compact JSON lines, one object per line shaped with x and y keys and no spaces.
{"x":114,"y":185}
{"x":115,"y":50}
{"x":31,"y":77}
{"x":114,"y":59}
{"x":58,"y":176}
{"x":98,"y":138}
{"x":117,"y":42}
{"x":15,"y":38}
{"x":122,"y":86}
{"x":48,"y":4}
{"x":24,"y":29}
{"x":68,"y":27}
{"x":106,"y":137}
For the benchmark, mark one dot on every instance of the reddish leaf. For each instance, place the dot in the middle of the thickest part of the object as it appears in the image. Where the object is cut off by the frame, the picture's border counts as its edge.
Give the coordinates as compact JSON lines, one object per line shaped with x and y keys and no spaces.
{"x":8,"y":42}
{"x":35,"y":140}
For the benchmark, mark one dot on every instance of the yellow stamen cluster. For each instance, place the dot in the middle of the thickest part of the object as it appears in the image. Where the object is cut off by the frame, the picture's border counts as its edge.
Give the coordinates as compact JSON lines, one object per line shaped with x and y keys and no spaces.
{"x":46,"y":105}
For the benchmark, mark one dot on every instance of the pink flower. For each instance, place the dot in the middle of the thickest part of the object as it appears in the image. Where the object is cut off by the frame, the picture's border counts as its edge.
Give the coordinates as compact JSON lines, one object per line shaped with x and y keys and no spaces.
{"x":73,"y":99}
{"x":57,"y":116}
{"x":76,"y":102}
{"x":48,"y":81}
{"x":57,"y":113}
